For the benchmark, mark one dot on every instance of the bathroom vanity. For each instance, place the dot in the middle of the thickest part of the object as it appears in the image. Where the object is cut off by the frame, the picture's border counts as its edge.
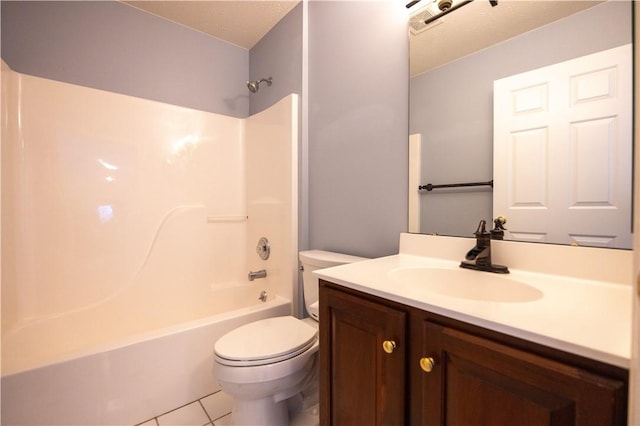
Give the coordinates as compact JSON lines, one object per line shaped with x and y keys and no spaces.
{"x":422,"y":355}
{"x":390,"y":364}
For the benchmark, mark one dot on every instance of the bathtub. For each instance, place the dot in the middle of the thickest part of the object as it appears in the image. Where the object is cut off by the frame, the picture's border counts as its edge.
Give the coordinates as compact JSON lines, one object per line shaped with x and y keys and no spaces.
{"x":129,"y":379}
{"x":125,"y":248}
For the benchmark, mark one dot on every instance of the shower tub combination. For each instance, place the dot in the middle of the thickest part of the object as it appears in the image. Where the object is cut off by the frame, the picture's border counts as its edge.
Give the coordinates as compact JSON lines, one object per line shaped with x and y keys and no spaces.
{"x":128,"y":381}
{"x":128,"y":230}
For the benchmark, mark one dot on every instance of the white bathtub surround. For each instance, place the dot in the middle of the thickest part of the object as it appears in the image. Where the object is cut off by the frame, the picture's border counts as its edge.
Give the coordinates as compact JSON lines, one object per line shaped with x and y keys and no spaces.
{"x":128,"y":384}
{"x":117,"y":213}
{"x":271,"y":161}
{"x":586,"y":316}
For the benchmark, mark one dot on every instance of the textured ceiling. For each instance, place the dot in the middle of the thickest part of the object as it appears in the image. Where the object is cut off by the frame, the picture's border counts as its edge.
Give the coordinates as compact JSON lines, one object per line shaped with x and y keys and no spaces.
{"x":241,"y":22}
{"x":471,"y":28}
{"x":478,"y":25}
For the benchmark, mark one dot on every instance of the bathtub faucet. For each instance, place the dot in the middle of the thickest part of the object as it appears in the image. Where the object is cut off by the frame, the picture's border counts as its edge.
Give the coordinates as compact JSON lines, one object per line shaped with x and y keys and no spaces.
{"x":257,"y":274}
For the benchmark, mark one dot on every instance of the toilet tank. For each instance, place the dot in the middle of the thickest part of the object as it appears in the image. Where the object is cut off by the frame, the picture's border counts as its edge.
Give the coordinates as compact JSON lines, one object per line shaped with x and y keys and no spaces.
{"x":319,"y":259}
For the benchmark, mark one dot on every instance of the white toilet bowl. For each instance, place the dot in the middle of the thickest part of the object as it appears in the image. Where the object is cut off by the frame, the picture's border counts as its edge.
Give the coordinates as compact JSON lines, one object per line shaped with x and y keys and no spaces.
{"x":264,"y":363}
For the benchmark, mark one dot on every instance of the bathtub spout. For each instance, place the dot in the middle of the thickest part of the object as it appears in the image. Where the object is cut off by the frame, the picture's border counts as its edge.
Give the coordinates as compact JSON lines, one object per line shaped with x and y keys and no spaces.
{"x":257,"y":274}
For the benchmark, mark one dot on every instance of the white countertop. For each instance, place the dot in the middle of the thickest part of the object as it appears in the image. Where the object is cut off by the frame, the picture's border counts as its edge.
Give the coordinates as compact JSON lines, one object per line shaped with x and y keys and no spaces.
{"x":584,"y":317}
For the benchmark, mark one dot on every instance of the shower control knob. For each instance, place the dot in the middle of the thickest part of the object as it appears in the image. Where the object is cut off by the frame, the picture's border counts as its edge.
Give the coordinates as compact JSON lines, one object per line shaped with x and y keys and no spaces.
{"x":263,"y":249}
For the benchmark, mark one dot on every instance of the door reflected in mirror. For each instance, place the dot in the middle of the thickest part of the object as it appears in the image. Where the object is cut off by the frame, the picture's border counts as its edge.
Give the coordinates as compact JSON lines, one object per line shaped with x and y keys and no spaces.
{"x":455,"y":61}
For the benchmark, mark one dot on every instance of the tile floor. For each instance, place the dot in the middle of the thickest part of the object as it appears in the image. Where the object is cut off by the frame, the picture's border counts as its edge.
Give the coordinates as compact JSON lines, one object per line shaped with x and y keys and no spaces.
{"x":215,"y":410}
{"x":212,"y":410}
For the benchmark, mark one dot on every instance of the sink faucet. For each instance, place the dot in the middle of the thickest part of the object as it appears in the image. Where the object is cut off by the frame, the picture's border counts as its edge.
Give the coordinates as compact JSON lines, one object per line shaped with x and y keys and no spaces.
{"x":479,"y":257}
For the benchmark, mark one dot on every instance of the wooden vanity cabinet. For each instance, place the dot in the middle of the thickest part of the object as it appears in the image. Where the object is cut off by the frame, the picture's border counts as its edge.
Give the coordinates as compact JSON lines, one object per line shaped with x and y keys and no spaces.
{"x":362,"y":361}
{"x":479,"y":381}
{"x":446,"y":372}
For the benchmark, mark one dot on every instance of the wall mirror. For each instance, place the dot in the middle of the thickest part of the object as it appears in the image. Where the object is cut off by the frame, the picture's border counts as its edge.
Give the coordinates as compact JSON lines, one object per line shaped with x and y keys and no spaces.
{"x":454,"y":62}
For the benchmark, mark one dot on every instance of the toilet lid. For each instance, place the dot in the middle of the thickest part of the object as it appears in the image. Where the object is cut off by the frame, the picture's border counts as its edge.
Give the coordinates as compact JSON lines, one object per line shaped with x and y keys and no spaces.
{"x":265,"y":341}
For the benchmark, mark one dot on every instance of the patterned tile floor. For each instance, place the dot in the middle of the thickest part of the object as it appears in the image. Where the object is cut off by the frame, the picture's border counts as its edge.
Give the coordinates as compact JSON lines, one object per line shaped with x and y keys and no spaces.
{"x":215,"y":410}
{"x":212,"y":410}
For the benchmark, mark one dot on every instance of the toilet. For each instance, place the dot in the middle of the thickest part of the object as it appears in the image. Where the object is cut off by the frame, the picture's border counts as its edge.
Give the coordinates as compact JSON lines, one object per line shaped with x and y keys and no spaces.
{"x":264,"y":364}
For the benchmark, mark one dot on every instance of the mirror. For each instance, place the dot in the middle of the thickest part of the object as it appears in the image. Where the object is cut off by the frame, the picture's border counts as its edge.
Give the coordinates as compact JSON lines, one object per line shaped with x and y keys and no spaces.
{"x":454,"y":62}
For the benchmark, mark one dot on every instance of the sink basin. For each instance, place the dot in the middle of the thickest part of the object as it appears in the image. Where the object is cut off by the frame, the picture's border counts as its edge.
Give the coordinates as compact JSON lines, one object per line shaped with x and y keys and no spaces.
{"x":465,"y":284}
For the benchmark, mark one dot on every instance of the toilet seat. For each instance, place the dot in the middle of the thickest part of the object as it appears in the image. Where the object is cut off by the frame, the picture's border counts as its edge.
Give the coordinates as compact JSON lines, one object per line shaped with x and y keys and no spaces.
{"x":265,"y":341}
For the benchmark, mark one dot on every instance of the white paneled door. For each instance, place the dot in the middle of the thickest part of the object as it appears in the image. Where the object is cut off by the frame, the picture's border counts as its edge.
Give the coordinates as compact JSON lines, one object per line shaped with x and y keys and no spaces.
{"x":563,"y":151}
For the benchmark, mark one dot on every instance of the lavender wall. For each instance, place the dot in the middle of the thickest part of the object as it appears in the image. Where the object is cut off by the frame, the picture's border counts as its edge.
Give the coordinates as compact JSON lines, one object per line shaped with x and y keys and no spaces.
{"x":354,"y":146}
{"x":111,"y":46}
{"x":358,"y":121}
{"x":278,"y":55}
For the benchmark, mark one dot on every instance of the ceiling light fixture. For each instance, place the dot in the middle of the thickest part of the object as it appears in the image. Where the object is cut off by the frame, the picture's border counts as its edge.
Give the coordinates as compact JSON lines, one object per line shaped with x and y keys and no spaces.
{"x":444,"y":7}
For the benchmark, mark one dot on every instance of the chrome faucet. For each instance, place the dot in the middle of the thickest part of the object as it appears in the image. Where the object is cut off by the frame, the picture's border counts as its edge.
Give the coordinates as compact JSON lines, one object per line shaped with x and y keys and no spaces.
{"x":479,"y":257}
{"x":257,"y":274}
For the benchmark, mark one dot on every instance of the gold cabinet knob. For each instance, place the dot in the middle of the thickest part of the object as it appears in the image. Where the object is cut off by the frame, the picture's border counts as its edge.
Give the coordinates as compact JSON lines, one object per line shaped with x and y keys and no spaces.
{"x":388,"y":346}
{"x":427,"y":364}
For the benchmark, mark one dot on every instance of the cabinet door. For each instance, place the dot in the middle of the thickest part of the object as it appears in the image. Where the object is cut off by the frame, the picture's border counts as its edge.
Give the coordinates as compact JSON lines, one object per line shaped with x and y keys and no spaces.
{"x":362,"y":357}
{"x":476,"y":381}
